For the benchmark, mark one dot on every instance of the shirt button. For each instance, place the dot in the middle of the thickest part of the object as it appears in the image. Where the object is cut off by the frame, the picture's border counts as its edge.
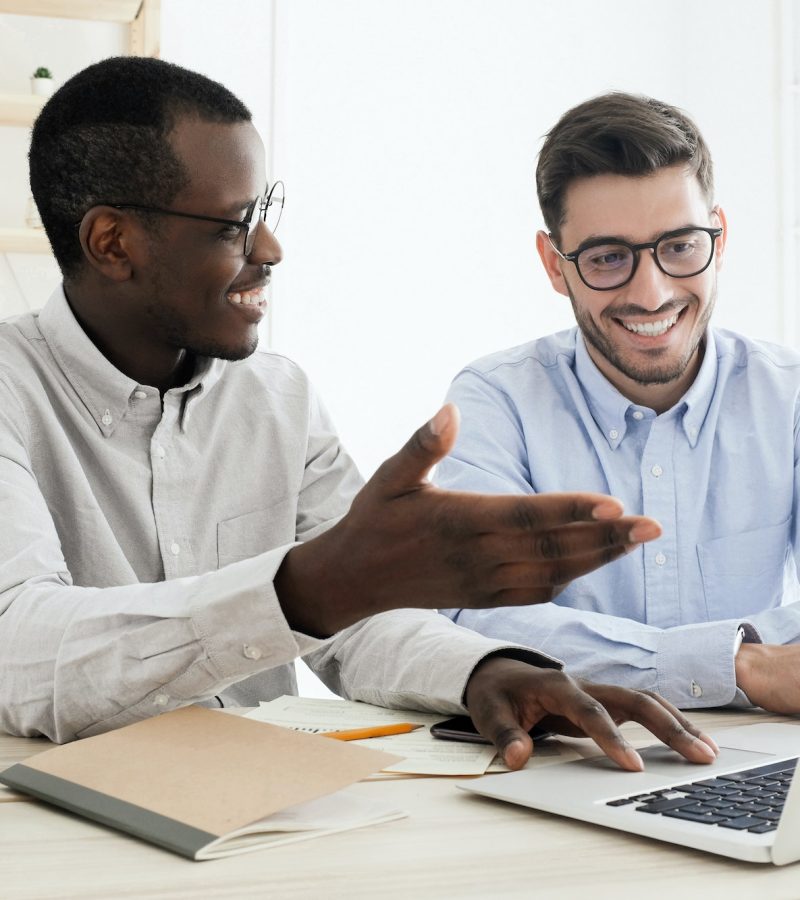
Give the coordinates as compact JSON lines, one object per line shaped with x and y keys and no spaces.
{"x":657,"y":470}
{"x":159,"y":451}
{"x":161,"y":699}
{"x":175,"y":549}
{"x":638,"y":415}
{"x":696,"y":690}
{"x":106,"y":420}
{"x":251,"y":652}
{"x":140,"y":395}
{"x":660,"y":559}
{"x":613,"y":434}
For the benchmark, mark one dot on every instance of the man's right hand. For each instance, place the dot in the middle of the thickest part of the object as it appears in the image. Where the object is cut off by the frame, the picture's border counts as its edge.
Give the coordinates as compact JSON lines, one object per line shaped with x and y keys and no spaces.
{"x":770,"y":676}
{"x":406,"y":543}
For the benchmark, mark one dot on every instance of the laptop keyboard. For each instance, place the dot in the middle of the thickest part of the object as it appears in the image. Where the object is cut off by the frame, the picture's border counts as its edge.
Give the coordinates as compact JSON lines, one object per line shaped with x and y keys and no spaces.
{"x":748,"y":800}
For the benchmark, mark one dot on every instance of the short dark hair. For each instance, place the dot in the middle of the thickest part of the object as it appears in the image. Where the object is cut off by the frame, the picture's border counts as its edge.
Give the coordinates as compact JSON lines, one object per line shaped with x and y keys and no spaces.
{"x":103,"y":138}
{"x":618,"y":134}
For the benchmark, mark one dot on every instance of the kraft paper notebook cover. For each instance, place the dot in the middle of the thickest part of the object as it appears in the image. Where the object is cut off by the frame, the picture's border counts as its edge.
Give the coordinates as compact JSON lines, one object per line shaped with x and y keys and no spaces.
{"x":191,"y":780}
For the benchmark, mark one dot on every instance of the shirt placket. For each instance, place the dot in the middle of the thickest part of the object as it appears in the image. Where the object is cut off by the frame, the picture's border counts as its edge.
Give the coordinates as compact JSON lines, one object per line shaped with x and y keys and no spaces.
{"x":170,"y":491}
{"x":662,"y":602}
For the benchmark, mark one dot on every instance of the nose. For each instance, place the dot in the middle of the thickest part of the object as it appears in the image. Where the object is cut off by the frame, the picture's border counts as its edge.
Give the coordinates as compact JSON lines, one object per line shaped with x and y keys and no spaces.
{"x":266,"y":249}
{"x":650,"y":287}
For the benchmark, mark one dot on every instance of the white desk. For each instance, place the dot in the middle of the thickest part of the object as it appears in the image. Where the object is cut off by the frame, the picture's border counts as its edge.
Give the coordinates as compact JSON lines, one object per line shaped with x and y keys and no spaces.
{"x":452,"y":845}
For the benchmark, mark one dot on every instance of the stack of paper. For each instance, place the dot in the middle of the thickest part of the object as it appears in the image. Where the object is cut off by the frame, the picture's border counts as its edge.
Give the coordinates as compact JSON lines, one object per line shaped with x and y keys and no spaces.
{"x":424,"y":754}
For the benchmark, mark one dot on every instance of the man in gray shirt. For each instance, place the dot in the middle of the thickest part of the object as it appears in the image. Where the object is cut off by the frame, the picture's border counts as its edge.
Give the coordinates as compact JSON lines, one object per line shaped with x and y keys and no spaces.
{"x":177,"y":520}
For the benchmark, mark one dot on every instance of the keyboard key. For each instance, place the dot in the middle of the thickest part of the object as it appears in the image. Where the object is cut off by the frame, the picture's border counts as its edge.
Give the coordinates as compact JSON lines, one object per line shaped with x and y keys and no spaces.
{"x":690,"y":815}
{"x":658,"y":806}
{"x":750,"y":807}
{"x":712,"y":782}
{"x":743,"y":823}
{"x":762,"y":829}
{"x":725,"y":790}
{"x":623,"y":802}
{"x":771,"y":815}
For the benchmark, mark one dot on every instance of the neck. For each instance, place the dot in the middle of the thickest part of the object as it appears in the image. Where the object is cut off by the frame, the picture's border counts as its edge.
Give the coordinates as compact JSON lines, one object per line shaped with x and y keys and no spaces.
{"x":126,"y":343}
{"x":656,"y":396}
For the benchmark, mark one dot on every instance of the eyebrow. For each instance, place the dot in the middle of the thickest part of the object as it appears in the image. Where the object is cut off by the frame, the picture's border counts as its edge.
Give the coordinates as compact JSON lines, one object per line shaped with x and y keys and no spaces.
{"x":237,"y":207}
{"x":616,"y":239}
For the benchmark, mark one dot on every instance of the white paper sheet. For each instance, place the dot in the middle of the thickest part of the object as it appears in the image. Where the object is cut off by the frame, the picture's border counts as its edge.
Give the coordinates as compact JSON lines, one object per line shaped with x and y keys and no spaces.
{"x":424,"y":755}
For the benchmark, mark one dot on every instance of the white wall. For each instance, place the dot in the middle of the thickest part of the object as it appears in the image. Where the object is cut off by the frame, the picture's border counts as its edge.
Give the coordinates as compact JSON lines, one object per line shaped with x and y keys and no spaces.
{"x":407,"y":133}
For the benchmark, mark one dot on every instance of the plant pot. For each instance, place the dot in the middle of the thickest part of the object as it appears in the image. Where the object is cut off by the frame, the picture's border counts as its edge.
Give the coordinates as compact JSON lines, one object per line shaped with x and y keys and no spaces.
{"x":42,"y":87}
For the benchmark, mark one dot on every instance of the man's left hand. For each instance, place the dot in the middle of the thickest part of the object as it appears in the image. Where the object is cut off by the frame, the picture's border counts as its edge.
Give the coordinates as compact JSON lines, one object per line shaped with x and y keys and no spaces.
{"x":506,"y":698}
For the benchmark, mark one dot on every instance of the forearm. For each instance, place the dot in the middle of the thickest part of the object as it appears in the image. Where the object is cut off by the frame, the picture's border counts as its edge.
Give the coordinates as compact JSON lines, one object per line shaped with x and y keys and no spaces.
{"x":410,"y":659}
{"x":691,"y":665}
{"x":76,"y":661}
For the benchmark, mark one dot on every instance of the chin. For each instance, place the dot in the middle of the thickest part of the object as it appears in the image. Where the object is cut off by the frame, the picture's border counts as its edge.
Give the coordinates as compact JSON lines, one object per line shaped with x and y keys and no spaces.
{"x":230,"y":351}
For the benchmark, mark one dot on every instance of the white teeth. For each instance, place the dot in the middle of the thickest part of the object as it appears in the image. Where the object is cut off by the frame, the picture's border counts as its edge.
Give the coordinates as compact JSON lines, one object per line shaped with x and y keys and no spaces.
{"x":652,"y":328}
{"x":257,"y":297}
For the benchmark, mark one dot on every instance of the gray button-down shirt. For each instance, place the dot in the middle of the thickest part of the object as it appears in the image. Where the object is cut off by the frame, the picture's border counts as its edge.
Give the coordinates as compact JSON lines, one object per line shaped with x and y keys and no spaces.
{"x":139,"y":539}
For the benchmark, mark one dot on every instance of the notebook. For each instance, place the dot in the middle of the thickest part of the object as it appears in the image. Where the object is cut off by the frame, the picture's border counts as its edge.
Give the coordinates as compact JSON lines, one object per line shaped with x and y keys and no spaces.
{"x":207,"y":784}
{"x":746,"y":805}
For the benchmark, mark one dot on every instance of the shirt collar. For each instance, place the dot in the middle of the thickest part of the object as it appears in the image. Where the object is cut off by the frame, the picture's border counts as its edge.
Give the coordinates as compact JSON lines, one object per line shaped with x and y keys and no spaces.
{"x":609,"y":408}
{"x":698,"y":398}
{"x":104,"y":390}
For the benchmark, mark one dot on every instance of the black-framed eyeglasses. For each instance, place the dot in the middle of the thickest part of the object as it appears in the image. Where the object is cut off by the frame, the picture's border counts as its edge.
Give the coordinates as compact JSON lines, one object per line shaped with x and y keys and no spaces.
{"x":604,"y":264}
{"x":268,"y":209}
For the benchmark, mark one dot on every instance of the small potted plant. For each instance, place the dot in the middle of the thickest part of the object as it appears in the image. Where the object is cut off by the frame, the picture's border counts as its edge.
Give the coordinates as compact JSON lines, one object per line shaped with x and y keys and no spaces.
{"x":42,"y":82}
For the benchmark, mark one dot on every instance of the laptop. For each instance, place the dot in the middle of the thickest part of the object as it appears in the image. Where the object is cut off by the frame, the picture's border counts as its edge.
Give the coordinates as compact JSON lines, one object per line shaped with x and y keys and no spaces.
{"x":746,"y":805}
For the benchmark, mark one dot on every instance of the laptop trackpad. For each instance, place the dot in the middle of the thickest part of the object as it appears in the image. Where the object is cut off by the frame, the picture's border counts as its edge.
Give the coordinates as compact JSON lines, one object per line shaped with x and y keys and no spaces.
{"x":661,"y":760}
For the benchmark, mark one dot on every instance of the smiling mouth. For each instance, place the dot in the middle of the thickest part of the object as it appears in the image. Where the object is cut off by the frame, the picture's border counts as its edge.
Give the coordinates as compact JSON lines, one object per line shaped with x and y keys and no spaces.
{"x":256,"y":296}
{"x":651,"y":329}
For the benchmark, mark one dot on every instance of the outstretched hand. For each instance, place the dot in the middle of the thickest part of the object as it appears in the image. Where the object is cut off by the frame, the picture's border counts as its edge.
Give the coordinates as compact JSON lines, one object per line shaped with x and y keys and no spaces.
{"x":506,"y":698}
{"x":407,"y":543}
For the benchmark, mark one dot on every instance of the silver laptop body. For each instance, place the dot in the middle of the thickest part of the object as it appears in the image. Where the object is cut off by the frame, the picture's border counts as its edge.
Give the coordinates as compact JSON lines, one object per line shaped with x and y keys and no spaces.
{"x":584,"y":788}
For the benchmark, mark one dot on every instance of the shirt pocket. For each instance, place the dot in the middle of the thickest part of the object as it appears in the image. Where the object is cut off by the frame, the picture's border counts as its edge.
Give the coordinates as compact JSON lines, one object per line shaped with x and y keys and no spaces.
{"x":743,"y":573}
{"x":245,"y":536}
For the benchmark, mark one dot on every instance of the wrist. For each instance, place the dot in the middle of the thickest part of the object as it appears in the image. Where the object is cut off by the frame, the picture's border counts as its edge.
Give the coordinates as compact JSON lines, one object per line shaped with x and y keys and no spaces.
{"x":743,"y":663}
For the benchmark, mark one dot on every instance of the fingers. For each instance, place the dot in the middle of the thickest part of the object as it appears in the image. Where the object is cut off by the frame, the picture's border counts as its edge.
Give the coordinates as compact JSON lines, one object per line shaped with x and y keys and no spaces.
{"x":497,"y":720}
{"x":527,"y":569}
{"x":673,"y":728}
{"x":575,"y":540}
{"x":591,"y":718}
{"x":505,"y":697}
{"x":409,"y":467}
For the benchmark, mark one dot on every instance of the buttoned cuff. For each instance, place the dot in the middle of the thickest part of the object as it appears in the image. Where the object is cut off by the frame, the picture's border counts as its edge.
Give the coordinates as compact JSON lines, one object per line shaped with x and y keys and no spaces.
{"x":695,"y":664}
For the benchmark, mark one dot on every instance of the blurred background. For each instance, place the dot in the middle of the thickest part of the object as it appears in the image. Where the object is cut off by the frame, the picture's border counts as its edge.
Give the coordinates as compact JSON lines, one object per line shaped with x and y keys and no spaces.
{"x":407,"y":131}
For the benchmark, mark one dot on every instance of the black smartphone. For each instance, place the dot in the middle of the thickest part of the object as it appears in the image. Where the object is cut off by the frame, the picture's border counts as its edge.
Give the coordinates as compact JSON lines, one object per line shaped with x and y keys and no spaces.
{"x":461,"y":728}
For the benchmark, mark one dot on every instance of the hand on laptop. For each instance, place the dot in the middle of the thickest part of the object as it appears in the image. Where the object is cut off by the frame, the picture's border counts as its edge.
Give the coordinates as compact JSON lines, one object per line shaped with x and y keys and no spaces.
{"x":505,"y":698}
{"x":770,"y":676}
{"x":408,"y":543}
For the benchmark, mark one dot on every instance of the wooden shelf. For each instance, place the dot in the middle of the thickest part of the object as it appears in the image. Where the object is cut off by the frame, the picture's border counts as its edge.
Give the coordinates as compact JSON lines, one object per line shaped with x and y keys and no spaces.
{"x":20,"y":109}
{"x":98,"y":10}
{"x":23,"y":240}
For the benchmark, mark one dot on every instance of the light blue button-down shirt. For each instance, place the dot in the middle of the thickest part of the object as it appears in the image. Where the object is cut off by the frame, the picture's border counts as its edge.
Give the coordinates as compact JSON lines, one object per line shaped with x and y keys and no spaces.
{"x":719,"y":471}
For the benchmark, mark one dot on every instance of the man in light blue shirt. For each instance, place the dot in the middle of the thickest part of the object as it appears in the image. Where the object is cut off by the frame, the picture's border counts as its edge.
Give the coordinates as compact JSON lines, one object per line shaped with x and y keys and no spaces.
{"x":694,"y":426}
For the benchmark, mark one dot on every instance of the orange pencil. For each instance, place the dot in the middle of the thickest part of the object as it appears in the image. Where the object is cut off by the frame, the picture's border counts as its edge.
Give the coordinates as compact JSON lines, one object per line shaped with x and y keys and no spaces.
{"x":358,"y":734}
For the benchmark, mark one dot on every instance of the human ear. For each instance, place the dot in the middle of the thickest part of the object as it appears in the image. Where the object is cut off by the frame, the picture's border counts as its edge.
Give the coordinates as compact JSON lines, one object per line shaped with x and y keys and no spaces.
{"x":719,"y":246}
{"x":106,"y":237}
{"x":551,"y":262}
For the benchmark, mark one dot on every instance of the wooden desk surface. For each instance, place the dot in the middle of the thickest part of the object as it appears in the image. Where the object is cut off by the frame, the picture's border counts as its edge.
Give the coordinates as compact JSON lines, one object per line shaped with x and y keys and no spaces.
{"x":452,"y":845}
